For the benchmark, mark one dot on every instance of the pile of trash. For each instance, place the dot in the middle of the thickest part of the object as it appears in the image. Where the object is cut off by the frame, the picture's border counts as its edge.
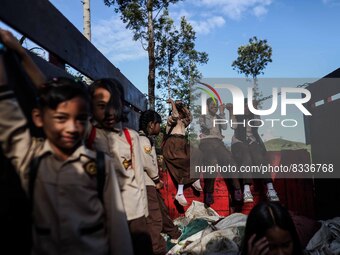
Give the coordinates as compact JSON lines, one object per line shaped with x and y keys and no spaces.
{"x":326,"y":241}
{"x":206,"y":232}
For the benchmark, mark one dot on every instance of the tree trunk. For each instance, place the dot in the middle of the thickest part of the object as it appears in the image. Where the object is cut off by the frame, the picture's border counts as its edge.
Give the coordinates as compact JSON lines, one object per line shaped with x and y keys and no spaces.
{"x":87,"y":19}
{"x":151,"y":53}
{"x":169,"y":74}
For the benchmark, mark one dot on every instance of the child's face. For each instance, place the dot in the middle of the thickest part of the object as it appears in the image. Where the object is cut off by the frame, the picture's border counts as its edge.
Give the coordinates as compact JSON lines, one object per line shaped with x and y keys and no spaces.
{"x":212,"y":108}
{"x":65,"y":126}
{"x":102,"y":112}
{"x":280,"y":241}
{"x":154,"y":128}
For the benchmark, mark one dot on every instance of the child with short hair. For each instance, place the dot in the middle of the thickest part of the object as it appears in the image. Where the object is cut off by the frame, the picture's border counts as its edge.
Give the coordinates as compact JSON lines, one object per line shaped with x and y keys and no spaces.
{"x":176,"y":149}
{"x":158,"y":220}
{"x":122,"y":144}
{"x":59,"y":173}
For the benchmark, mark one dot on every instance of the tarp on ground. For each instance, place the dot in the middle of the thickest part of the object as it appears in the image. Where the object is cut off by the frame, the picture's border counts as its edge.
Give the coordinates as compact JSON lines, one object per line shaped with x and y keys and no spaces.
{"x":219,"y":236}
{"x":327,"y":240}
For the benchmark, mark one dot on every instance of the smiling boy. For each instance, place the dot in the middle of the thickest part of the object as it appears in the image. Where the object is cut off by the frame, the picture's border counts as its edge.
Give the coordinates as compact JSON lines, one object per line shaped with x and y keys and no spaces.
{"x":59,"y":174}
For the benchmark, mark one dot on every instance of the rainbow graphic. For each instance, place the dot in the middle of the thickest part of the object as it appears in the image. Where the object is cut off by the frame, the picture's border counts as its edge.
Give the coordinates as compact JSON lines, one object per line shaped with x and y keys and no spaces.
{"x":210,"y":93}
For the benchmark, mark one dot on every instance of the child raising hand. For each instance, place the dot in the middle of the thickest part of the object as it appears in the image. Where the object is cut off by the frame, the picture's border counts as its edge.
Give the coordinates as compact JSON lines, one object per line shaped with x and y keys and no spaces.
{"x":70,"y":215}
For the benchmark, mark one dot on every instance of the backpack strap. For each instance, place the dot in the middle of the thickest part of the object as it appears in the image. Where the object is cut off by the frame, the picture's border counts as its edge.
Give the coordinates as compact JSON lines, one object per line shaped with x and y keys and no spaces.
{"x":92,"y":136}
{"x":129,"y":140}
{"x":100,"y":164}
{"x":32,"y":176}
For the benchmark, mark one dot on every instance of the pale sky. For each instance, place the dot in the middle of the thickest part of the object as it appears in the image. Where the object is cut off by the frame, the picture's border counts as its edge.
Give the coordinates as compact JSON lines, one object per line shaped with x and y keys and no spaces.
{"x":304,"y":35}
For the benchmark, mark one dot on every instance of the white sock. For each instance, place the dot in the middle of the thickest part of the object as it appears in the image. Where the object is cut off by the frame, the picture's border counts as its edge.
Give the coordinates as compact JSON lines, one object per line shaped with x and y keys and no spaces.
{"x":197,"y":182}
{"x":246,"y":188}
{"x":270,"y":185}
{"x":180,"y":189}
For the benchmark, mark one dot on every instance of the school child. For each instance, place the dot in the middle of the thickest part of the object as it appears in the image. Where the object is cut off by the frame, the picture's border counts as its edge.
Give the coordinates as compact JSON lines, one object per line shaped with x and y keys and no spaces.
{"x":176,"y":149}
{"x":214,"y":152}
{"x":270,"y":230}
{"x":122,"y":144}
{"x":248,"y":149}
{"x":71,"y":215}
{"x":158,"y":220}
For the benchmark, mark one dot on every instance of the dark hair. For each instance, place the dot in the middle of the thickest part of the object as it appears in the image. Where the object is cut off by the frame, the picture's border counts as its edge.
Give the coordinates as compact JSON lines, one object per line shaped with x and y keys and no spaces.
{"x":210,"y":100}
{"x":264,"y":216}
{"x":58,"y":90}
{"x":117,"y":99}
{"x":147,"y":117}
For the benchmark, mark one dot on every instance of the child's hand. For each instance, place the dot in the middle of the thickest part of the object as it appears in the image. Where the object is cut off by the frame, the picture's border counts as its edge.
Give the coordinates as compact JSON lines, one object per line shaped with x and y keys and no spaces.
{"x":35,"y":74}
{"x":221,"y":108}
{"x":229,"y":106}
{"x":260,"y":247}
{"x":160,"y":185}
{"x":11,"y":42}
{"x":170,"y":101}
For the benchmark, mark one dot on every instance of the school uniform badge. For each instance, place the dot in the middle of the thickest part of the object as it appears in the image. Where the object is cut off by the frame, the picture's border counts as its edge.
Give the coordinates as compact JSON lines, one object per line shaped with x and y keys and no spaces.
{"x":90,"y":168}
{"x":127,"y":163}
{"x":147,"y":149}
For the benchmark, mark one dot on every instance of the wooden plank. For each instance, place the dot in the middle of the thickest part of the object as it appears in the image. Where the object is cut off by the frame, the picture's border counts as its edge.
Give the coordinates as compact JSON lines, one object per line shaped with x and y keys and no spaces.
{"x":49,"y":69}
{"x":40,"y":21}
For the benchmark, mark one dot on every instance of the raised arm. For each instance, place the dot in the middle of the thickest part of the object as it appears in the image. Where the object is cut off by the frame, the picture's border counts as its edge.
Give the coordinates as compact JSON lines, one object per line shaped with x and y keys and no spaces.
{"x":188,"y":117}
{"x":15,"y":139}
{"x":172,"y":119}
{"x":37,"y":77}
{"x":3,"y":75}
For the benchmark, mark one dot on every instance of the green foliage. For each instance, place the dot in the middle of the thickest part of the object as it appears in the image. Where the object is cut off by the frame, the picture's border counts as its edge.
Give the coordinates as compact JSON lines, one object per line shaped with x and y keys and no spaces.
{"x":189,"y":59}
{"x":252,"y":60}
{"x":177,"y":61}
{"x":141,"y":17}
{"x":172,"y":49}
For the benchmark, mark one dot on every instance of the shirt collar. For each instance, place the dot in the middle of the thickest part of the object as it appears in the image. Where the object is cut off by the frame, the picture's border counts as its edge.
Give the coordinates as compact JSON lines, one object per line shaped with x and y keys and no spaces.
{"x":78,"y":153}
{"x":46,"y":148}
{"x":142,"y":133}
